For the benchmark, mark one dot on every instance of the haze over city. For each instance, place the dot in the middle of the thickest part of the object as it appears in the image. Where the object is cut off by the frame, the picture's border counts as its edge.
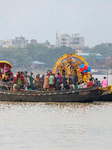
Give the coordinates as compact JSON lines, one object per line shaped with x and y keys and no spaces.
{"x":40,"y":19}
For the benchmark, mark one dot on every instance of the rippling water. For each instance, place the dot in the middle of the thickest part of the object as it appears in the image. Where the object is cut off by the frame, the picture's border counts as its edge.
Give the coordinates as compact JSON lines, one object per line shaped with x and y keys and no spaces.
{"x":55,"y":126}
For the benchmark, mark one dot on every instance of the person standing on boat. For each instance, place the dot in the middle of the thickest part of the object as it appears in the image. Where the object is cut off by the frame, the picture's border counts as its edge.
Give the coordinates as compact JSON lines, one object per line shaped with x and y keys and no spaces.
{"x":104,"y":82}
{"x":42,"y":82}
{"x":46,"y":82}
{"x":31,"y":81}
{"x":25,"y":82}
{"x":22,"y":79}
{"x":64,"y":80}
{"x":58,"y":80}
{"x":36,"y":82}
{"x":75,"y":78}
{"x":51,"y":82}
{"x":71,"y":79}
{"x":60,"y":77}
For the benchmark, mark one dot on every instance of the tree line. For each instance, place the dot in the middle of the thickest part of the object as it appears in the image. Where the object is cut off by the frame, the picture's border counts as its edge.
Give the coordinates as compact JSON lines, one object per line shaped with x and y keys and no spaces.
{"x":22,"y":57}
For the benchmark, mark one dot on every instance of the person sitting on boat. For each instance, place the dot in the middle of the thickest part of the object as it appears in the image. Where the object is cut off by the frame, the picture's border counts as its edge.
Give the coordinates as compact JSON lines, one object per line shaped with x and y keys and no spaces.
{"x":77,"y":84}
{"x":16,"y":83}
{"x":90,"y":83}
{"x":5,"y":68}
{"x":10,"y":75}
{"x":72,"y":86}
{"x":82,"y":85}
{"x":104,"y":82}
{"x":97,"y":82}
{"x":5,"y":77}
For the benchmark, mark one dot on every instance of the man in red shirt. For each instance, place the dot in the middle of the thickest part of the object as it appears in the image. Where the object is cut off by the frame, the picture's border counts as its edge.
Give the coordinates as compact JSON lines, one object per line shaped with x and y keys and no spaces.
{"x":90,"y":83}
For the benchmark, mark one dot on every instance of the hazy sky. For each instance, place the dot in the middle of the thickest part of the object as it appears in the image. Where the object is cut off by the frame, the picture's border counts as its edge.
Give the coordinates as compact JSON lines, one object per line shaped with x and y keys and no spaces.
{"x":40,"y":19}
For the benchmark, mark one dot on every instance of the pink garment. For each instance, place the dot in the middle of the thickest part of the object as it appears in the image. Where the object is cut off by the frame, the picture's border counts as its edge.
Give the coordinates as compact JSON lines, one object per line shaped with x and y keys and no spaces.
{"x":60,"y":78}
{"x":104,"y":83}
{"x":5,"y":69}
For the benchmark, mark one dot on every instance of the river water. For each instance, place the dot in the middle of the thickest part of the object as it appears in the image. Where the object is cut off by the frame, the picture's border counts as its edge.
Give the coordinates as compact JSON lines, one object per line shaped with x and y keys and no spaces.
{"x":56,"y":126}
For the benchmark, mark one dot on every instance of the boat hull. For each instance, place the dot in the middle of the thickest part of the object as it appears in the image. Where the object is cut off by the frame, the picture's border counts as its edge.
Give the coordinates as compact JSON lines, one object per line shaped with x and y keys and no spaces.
{"x":81,"y":95}
{"x":105,"y":97}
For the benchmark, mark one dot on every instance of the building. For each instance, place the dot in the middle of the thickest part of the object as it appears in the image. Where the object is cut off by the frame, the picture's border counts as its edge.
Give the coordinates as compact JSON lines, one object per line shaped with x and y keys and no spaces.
{"x":33,"y":41}
{"x":74,"y":41}
{"x":2,"y":43}
{"x":17,"y":42}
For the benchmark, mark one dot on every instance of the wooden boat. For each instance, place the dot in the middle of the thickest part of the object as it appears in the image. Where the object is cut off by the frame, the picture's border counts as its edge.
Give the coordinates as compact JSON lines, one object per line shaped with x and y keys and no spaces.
{"x":80,"y":95}
{"x":105,"y":97}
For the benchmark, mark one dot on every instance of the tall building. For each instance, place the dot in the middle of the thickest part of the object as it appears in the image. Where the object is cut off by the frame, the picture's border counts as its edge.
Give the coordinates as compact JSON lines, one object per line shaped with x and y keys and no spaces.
{"x":74,"y":41}
{"x":17,"y":42}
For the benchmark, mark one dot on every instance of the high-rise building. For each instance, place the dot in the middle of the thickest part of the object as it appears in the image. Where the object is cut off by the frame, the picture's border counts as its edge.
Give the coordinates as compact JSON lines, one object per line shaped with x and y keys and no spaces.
{"x":74,"y":41}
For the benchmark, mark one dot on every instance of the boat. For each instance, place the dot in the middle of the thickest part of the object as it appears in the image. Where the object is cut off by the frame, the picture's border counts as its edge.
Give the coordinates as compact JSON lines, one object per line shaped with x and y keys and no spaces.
{"x":79,"y":95}
{"x":67,"y":63}
{"x":105,"y":97}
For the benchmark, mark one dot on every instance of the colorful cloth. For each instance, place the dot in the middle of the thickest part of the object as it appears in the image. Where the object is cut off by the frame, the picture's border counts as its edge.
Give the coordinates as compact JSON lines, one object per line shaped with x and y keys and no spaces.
{"x":85,"y":79}
{"x":60,"y":78}
{"x":5,"y":69}
{"x":90,"y":84}
{"x":104,"y":83}
{"x":51,"y":79}
{"x":46,"y":82}
{"x":31,"y":81}
{"x":36,"y":82}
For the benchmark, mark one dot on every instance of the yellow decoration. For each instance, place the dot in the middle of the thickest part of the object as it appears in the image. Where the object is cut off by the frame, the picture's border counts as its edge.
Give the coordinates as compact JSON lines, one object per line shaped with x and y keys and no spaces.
{"x":68,"y":63}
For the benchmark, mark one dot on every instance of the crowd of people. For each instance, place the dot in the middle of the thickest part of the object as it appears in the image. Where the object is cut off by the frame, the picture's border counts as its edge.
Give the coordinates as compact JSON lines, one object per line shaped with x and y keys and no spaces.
{"x":49,"y":82}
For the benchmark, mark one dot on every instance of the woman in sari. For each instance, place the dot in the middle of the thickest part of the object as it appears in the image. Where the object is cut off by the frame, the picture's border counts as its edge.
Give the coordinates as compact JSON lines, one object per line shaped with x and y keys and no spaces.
{"x":16,"y":83}
{"x":36,"y":82}
{"x":46,"y":82}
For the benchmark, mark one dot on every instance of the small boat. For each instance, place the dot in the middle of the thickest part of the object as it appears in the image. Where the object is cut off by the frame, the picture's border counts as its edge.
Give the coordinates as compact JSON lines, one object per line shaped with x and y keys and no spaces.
{"x":79,"y":95}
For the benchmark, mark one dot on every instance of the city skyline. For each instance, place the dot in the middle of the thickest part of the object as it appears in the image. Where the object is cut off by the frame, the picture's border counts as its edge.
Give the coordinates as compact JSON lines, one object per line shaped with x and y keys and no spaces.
{"x":35,"y":19}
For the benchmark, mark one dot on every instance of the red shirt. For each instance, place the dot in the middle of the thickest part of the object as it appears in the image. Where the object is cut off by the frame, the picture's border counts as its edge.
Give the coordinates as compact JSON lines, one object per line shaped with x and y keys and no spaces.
{"x":90,"y":84}
{"x":22,"y":78}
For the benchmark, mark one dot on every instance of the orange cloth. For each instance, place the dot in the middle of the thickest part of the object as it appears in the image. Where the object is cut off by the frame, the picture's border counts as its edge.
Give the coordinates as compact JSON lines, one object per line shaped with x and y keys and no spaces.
{"x":46,"y":82}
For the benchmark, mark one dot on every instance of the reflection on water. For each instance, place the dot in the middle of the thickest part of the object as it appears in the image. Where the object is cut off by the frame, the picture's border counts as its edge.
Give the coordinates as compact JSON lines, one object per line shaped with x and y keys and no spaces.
{"x":55,"y":126}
